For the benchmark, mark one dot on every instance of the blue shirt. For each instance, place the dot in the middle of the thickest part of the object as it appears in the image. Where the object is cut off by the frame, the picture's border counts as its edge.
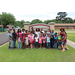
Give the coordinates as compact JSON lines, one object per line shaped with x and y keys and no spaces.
{"x":54,"y":33}
{"x":55,"y":38}
{"x":9,"y":36}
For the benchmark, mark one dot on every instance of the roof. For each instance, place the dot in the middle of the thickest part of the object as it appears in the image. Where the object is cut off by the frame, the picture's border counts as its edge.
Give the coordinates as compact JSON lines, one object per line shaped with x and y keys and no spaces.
{"x":68,"y":24}
{"x":1,"y":25}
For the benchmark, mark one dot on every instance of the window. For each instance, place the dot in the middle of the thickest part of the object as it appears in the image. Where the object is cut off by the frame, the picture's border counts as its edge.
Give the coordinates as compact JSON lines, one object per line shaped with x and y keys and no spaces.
{"x":59,"y":26}
{"x":66,"y":27}
{"x":69,"y":26}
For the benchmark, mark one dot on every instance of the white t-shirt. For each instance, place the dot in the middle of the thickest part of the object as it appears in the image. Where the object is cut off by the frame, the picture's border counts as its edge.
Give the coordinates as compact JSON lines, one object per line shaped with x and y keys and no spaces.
{"x":38,"y":33}
{"x":36,"y":39}
{"x":43,"y":32}
{"x":19,"y":39}
{"x":26,"y":39}
{"x":23,"y":32}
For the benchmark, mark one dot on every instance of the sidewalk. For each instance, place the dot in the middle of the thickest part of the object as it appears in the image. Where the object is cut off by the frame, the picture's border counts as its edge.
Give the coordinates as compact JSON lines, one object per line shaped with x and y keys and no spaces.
{"x":72,"y":44}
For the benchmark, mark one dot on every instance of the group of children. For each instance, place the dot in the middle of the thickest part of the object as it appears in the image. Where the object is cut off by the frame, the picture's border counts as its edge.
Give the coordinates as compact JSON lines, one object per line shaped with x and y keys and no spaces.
{"x":38,"y":39}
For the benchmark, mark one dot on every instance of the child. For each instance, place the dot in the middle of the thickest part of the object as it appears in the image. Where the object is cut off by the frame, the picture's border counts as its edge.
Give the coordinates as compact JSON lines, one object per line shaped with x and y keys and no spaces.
{"x":31,"y":40}
{"x":48,"y":41}
{"x":26,"y":41}
{"x":40,"y":41}
{"x":23,"y":31}
{"x":36,"y":40}
{"x":33,"y":37}
{"x":59,"y":41}
{"x":64,"y":38}
{"x":23,"y":41}
{"x":10,"y":39}
{"x":19,"y":41}
{"x":44,"y":41}
{"x":55,"y":40}
{"x":52,"y":40}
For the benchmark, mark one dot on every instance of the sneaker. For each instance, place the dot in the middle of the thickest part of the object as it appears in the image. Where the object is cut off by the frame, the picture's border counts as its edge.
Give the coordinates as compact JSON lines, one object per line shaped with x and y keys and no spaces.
{"x":18,"y":49}
{"x":63,"y":50}
{"x":11,"y":48}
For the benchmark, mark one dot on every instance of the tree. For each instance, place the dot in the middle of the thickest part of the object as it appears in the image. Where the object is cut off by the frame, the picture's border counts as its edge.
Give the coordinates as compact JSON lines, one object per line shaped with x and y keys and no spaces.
{"x":36,"y":21}
{"x":7,"y":18}
{"x":61,"y":16}
{"x":27,"y":22}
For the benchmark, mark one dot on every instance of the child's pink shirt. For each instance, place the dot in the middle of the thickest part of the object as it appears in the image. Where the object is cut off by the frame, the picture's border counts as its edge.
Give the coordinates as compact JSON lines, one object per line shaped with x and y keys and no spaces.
{"x":31,"y":37}
{"x":44,"y":39}
{"x":40,"y":40}
{"x":28,"y":37}
{"x":20,"y":34}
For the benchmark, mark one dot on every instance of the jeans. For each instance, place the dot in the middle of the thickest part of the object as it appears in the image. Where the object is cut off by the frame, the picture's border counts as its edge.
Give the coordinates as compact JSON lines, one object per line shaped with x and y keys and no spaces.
{"x":55,"y":45}
{"x":10,"y":43}
{"x":51,"y":43}
{"x":48,"y":44}
{"x":19,"y":45}
{"x":14,"y":43}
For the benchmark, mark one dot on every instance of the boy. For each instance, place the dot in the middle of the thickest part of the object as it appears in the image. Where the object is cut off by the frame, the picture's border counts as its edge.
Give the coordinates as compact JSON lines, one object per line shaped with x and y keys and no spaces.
{"x":10,"y":39}
{"x":59,"y":41}
{"x":14,"y":34}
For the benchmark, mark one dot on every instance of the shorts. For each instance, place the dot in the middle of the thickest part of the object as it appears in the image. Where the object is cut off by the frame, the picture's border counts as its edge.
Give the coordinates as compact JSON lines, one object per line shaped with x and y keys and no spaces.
{"x":31,"y":42}
{"x":63,"y":43}
{"x":36,"y":43}
{"x":26,"y":43}
{"x":59,"y":43}
{"x":40,"y":43}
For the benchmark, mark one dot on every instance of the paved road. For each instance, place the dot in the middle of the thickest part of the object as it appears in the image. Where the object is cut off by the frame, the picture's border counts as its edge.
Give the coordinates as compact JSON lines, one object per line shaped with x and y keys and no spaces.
{"x":3,"y":38}
{"x":71,"y":43}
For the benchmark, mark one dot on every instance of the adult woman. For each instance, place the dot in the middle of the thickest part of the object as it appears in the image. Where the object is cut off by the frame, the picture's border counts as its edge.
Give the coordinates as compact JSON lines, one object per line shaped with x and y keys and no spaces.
{"x":37,"y":32}
{"x":62,"y":31}
{"x":19,"y":33}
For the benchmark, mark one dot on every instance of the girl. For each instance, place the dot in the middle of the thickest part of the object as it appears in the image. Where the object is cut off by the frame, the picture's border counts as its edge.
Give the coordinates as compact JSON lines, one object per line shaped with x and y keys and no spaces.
{"x":31,"y":40}
{"x":19,"y":32}
{"x":48,"y":41}
{"x":55,"y":40}
{"x":26,"y":41}
{"x":36,"y":40}
{"x":40,"y":41}
{"x":64,"y":38}
{"x":52,"y":40}
{"x":19,"y":42}
{"x":23,"y":40}
{"x":44,"y":41}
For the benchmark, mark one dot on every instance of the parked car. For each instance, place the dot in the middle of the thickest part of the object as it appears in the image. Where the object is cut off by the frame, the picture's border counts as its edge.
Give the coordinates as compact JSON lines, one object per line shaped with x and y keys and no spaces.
{"x":10,"y":29}
{"x":6,"y":29}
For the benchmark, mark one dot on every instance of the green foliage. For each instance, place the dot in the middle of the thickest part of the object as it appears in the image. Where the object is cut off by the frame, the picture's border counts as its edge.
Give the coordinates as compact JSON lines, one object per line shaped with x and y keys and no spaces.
{"x":7,"y":18}
{"x":36,"y":21}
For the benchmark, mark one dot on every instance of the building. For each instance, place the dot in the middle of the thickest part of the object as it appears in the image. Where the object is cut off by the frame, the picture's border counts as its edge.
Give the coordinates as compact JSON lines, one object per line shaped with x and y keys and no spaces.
{"x":66,"y":26}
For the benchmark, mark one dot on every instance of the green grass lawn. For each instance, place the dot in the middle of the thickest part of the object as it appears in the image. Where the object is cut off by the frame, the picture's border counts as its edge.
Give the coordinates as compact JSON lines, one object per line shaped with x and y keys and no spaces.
{"x":65,"y":29}
{"x":71,"y":36}
{"x":36,"y":55}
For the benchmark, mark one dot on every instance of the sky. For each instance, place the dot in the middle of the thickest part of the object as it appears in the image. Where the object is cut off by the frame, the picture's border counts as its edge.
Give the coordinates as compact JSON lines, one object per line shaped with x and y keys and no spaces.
{"x":29,"y":16}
